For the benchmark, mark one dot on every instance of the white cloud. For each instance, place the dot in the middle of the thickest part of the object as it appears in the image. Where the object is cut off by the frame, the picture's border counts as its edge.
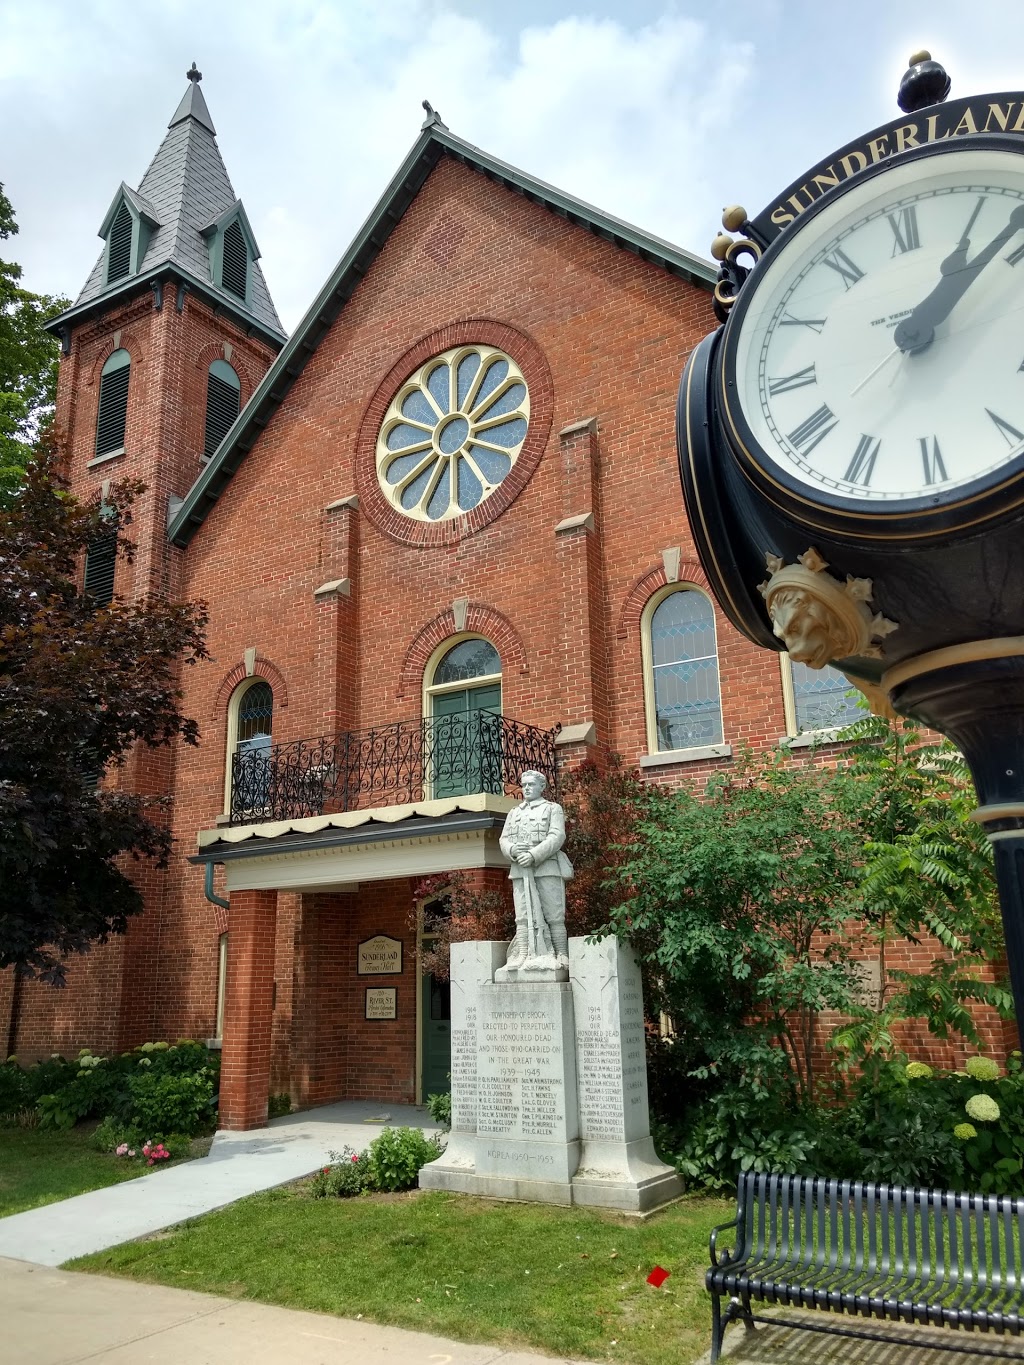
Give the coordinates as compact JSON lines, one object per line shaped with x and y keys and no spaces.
{"x":316,"y":104}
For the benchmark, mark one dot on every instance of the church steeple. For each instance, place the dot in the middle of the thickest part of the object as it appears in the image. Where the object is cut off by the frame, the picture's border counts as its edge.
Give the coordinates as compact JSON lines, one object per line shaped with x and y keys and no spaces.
{"x":193,"y":105}
{"x":184,"y":223}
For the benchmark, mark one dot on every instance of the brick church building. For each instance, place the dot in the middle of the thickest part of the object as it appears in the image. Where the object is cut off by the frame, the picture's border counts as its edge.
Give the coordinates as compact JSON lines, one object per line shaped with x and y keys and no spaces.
{"x":442,"y":538}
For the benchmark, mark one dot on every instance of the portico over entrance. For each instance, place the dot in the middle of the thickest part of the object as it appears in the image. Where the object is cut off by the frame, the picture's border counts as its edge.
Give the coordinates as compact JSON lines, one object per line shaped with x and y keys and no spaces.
{"x":363,"y":1024}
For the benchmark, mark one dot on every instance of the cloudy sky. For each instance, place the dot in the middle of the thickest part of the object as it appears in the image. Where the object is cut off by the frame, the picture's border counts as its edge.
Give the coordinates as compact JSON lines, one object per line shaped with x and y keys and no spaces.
{"x":658,"y":112}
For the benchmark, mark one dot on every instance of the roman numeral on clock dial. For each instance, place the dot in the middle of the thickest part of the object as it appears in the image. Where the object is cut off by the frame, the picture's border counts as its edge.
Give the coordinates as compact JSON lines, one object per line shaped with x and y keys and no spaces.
{"x":931,"y":458}
{"x":847,"y":270}
{"x":792,"y":381}
{"x":813,"y":429}
{"x":862,"y":466}
{"x":1009,"y":432}
{"x":904,"y":229}
{"x":788,"y":320}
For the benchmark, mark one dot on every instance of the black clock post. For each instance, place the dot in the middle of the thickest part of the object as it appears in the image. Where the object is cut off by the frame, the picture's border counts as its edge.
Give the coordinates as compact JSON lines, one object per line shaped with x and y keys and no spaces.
{"x":851,"y":439}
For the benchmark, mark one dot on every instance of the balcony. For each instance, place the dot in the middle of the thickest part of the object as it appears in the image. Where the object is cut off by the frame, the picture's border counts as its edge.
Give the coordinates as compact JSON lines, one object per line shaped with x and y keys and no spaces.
{"x":408,"y":761}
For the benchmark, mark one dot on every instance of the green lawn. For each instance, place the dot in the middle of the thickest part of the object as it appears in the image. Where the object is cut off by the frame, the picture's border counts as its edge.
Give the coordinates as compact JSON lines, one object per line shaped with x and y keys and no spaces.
{"x":560,"y":1280}
{"x":38,"y":1167}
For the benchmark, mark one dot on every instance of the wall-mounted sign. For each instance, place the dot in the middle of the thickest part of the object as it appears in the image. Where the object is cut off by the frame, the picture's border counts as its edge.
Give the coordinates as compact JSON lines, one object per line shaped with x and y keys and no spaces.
{"x":379,"y":956}
{"x":381,"y":1002}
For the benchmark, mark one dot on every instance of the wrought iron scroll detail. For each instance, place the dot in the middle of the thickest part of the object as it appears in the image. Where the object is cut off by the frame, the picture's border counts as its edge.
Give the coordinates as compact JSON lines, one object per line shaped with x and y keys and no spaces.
{"x":408,"y":761}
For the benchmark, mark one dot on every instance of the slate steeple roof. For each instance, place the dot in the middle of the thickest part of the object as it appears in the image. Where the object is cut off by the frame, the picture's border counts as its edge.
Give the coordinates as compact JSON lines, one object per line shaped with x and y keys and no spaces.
{"x":185,"y":189}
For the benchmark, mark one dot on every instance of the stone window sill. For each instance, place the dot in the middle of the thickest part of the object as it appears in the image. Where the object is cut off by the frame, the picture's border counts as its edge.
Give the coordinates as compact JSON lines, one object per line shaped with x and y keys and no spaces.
{"x":214,"y":1044}
{"x":810,"y":738}
{"x":685,"y":755}
{"x":103,"y":459}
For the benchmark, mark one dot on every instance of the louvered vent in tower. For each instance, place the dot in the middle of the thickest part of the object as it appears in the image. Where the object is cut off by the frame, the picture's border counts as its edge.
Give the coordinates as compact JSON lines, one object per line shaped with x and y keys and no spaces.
{"x":100,"y":561}
{"x":236,"y":260}
{"x":223,"y":398}
{"x":119,"y":248}
{"x":113,"y":406}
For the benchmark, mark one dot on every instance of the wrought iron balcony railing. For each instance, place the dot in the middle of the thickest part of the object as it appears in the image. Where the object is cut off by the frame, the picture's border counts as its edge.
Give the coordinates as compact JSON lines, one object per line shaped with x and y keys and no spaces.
{"x":413,"y":760}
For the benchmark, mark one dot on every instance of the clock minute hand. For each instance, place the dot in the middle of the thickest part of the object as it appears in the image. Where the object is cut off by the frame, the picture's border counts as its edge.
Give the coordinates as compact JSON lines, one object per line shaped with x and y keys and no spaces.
{"x":917,"y":331}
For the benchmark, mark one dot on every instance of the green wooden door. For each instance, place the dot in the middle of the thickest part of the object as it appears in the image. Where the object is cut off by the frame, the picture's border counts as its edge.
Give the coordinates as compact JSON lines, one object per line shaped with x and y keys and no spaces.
{"x":466,"y":741}
{"x":435,"y":1037}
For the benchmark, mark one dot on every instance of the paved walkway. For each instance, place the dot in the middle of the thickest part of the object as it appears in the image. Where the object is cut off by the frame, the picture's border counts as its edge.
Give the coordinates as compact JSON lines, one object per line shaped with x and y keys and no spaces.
{"x":238,"y":1164}
{"x":917,"y":1345}
{"x":51,"y":1317}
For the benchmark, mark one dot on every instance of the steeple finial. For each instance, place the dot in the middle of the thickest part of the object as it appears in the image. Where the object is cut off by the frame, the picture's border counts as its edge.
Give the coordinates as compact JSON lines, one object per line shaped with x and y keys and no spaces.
{"x":193,"y":73}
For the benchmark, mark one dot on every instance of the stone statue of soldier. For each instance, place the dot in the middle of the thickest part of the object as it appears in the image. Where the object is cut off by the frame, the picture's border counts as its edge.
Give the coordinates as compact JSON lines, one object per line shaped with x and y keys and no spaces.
{"x":532,"y":840}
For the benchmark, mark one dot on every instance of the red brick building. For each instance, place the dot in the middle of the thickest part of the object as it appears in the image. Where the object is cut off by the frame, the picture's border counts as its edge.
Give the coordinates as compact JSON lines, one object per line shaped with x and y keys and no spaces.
{"x":438,"y":521}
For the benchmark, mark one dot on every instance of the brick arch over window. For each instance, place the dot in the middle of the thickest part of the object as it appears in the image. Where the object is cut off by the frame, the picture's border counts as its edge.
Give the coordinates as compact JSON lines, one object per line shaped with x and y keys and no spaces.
{"x":126,"y":342}
{"x":214,"y":350}
{"x":262,"y":668}
{"x":480,"y":620}
{"x":530,"y":359}
{"x":645,"y":586}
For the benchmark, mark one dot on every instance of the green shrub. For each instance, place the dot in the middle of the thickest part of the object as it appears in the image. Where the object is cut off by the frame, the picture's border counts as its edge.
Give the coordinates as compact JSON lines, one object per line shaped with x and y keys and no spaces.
{"x":279,"y":1105}
{"x":344,"y":1178}
{"x":15,"y":1090}
{"x":169,"y":1103}
{"x":439,"y":1108}
{"x":395,"y":1157}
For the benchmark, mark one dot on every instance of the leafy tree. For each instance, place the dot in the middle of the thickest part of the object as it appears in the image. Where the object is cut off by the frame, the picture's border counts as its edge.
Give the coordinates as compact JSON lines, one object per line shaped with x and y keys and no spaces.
{"x":80,"y":686}
{"x":28,"y":363}
{"x":926,"y":873}
{"x":737,"y":899}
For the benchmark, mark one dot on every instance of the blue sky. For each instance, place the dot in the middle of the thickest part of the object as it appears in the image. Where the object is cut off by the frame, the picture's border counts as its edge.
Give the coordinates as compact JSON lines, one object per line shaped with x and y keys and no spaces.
{"x":660,"y":113}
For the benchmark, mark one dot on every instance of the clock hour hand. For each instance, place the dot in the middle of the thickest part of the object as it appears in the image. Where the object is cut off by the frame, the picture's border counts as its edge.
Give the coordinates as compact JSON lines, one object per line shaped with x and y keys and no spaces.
{"x":917,"y":331}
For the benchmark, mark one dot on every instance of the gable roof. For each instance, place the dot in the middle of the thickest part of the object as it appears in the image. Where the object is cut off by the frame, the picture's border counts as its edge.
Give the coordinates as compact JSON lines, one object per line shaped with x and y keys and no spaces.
{"x":185,"y":188}
{"x":435,"y":141}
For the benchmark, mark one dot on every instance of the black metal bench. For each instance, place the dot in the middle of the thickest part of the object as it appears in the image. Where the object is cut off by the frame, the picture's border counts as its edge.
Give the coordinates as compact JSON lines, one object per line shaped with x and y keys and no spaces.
{"x":871,"y":1251}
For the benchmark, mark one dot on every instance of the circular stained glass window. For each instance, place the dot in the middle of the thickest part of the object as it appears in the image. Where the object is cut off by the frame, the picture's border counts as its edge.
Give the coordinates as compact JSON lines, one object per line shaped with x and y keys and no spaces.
{"x":452,"y":433}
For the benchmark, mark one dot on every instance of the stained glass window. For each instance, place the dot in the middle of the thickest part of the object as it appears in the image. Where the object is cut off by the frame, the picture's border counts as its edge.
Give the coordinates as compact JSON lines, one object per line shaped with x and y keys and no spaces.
{"x":453,"y":433}
{"x":824,"y":699}
{"x":684,"y":662}
{"x":468,"y":659}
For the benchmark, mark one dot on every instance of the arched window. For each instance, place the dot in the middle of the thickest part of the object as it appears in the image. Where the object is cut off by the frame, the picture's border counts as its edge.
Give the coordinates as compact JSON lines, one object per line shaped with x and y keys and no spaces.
{"x":680,"y":656}
{"x":250,"y":723}
{"x":113,"y":404}
{"x":463,"y":708}
{"x":223,"y":399}
{"x":817,"y":699}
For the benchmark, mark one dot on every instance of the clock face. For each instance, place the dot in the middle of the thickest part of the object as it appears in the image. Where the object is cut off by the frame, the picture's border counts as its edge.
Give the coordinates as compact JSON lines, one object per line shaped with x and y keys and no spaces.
{"x":878,"y":359}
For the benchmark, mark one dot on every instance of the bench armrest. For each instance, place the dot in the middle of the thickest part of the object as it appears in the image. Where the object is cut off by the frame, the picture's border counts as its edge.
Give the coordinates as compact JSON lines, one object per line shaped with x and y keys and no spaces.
{"x":728,"y":1256}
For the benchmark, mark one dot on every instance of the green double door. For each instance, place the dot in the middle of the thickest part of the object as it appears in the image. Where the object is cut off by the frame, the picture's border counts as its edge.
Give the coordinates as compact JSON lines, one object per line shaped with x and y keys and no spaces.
{"x":466,"y":741}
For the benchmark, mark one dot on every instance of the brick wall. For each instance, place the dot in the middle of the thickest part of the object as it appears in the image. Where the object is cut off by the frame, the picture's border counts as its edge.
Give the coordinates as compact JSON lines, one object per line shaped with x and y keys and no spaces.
{"x":601,"y":335}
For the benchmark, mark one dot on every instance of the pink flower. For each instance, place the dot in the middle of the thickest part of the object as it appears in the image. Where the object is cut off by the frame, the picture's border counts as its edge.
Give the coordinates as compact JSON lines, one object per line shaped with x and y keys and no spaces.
{"x":122,"y":1149}
{"x":131,"y":1151}
{"x":326,"y":1170}
{"x":355,"y":1156}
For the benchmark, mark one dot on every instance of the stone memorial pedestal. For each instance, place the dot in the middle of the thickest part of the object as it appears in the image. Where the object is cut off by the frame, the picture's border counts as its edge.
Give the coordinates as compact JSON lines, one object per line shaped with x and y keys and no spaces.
{"x":618,"y":1167}
{"x":472,"y":965}
{"x":549,"y":1084}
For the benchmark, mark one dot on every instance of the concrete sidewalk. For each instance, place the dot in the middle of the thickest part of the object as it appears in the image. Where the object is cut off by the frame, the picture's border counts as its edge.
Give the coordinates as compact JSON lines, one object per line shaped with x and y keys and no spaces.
{"x":238,"y":1164}
{"x":51,"y":1317}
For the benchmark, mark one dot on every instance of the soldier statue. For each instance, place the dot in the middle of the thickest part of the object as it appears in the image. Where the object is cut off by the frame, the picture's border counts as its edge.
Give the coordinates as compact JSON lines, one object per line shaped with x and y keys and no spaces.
{"x":532,"y":840}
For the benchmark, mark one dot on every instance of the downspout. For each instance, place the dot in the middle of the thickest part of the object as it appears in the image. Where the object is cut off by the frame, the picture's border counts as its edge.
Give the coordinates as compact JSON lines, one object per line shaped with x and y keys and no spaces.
{"x":211,"y":895}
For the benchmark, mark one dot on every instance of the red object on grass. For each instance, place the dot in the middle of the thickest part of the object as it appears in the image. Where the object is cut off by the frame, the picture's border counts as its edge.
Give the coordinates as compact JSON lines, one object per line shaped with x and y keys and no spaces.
{"x":658,"y":1276}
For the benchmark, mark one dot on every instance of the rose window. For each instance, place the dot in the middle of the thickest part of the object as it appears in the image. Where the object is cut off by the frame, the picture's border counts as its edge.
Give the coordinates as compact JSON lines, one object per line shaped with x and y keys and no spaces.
{"x":453,"y":433}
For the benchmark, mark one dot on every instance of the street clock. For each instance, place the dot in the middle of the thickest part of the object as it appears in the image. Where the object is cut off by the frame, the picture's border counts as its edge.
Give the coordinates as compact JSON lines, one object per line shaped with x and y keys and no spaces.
{"x":851,"y":439}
